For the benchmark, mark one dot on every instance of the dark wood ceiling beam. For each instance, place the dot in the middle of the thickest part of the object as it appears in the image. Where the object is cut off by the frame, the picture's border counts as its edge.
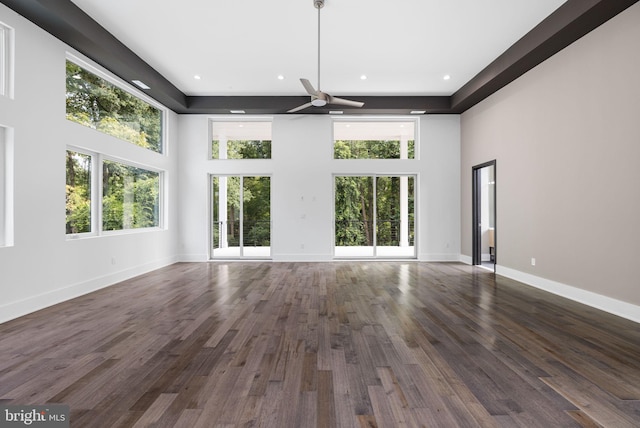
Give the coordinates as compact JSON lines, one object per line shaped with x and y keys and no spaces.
{"x":64,"y":20}
{"x":568,"y":23}
{"x":67,"y":22}
{"x":280,"y":105}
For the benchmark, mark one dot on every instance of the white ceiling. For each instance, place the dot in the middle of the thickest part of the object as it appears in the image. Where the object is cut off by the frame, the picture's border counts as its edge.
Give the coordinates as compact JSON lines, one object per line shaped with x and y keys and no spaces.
{"x":239,"y":47}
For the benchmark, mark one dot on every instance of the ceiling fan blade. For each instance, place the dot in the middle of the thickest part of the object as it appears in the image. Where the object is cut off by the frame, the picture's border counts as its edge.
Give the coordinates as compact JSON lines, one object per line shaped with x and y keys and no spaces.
{"x":309,"y":87}
{"x":342,"y":101}
{"x":302,"y":107}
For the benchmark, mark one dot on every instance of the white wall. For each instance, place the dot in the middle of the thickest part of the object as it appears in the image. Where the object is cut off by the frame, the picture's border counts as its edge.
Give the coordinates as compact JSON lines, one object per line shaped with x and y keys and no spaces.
{"x":302,"y":169}
{"x":43,"y":267}
{"x":566,"y":137}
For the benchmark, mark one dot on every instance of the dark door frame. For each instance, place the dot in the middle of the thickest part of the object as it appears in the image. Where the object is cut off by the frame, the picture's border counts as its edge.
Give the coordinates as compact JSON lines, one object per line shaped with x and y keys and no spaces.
{"x":476,"y":231}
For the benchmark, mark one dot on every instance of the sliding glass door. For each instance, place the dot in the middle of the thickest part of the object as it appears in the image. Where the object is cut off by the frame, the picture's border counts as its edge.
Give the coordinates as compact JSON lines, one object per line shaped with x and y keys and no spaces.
{"x":241,"y":216}
{"x":374,"y":216}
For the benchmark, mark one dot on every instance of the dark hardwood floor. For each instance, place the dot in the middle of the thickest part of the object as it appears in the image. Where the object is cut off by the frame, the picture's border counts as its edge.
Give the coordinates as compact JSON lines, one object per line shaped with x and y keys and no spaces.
{"x":364,"y":344}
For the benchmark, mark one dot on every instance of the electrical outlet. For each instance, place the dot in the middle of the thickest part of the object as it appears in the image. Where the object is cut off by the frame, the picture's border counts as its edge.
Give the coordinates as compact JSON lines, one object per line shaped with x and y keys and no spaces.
{"x":113,"y":260}
{"x":533,"y":261}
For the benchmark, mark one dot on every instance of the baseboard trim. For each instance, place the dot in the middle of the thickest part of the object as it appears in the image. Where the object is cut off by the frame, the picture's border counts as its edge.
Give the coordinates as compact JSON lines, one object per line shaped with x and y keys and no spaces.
{"x":24,"y":307}
{"x":430,"y":257}
{"x":193,"y":258}
{"x":466,"y":259}
{"x":589,"y":298}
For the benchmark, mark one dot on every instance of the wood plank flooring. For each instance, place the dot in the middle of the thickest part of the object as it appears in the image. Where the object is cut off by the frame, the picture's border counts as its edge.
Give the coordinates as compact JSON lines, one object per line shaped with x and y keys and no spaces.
{"x":363,"y":344}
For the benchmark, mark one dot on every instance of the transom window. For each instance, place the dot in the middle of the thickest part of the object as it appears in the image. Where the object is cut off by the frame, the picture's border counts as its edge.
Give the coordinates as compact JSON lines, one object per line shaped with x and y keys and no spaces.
{"x":374,"y":139}
{"x":240,"y":140}
{"x":94,"y":102}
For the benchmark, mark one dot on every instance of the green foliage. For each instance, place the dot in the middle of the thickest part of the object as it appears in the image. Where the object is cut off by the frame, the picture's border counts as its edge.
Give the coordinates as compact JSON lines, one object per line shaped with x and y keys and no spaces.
{"x":78,"y":193}
{"x":96,"y":103}
{"x":354,"y":211}
{"x":130,"y":197}
{"x":256,"y":205}
{"x":243,"y":149}
{"x":354,"y":206}
{"x":257,"y":211}
{"x":370,"y":149}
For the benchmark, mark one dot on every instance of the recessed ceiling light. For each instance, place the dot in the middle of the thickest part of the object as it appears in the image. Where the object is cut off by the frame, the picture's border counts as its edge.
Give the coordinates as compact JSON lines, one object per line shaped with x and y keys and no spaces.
{"x":140,"y":84}
{"x":446,"y":77}
{"x":363,"y":77}
{"x":418,"y":111}
{"x":280,"y":77}
{"x":237,"y":111}
{"x":336,"y":112}
{"x":197,"y":77}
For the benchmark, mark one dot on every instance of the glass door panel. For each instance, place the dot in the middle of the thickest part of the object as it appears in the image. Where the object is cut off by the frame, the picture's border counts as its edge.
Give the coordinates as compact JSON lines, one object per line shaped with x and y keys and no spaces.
{"x":395,"y":216}
{"x":256,"y":219}
{"x":241,"y":216}
{"x":354,"y":216}
{"x":375,"y":216}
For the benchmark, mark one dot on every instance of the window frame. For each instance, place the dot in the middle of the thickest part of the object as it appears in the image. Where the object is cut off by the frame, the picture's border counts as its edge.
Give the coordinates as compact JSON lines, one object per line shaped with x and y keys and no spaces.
{"x":130,"y":89}
{"x":6,"y":186}
{"x":382,"y":119}
{"x":7,"y":60}
{"x":212,"y":215}
{"x":97,"y":192}
{"x":94,"y":193}
{"x":161,"y":186}
{"x":374,"y":177}
{"x":226,"y":119}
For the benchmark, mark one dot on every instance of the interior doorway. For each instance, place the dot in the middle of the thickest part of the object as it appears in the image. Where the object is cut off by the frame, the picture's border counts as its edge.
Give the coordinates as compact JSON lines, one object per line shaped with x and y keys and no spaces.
{"x":484,"y":215}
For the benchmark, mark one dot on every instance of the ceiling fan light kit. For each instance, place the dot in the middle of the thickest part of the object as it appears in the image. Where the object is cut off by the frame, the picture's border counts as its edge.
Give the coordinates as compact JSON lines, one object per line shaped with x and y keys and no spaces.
{"x":319,"y":98}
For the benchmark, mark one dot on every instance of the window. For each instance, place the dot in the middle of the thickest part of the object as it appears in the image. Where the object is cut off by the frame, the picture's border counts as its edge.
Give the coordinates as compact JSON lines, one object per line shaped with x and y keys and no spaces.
{"x":6,"y":60}
{"x":374,"y":216}
{"x":241,"y":216}
{"x":374,"y":140}
{"x":79,"y":191}
{"x":241,"y":140}
{"x":99,"y":104}
{"x":130,"y":197}
{"x":6,"y":187}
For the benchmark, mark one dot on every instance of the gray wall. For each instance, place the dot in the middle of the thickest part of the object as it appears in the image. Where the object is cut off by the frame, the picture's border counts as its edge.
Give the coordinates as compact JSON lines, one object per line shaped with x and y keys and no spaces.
{"x":566,"y":137}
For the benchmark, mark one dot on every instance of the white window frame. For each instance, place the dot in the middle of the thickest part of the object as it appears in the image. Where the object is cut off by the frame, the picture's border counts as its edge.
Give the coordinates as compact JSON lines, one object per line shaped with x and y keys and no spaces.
{"x":6,"y":60}
{"x":234,"y":119}
{"x":374,"y":176}
{"x":103,"y":74}
{"x":6,"y":186}
{"x":97,"y":161}
{"x":95,"y":189}
{"x":380,"y":119}
{"x":161,"y":195}
{"x":241,"y":246}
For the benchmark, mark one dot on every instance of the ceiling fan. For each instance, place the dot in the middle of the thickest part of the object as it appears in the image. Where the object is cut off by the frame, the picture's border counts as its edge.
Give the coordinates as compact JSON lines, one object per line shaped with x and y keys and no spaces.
{"x":319,"y":98}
